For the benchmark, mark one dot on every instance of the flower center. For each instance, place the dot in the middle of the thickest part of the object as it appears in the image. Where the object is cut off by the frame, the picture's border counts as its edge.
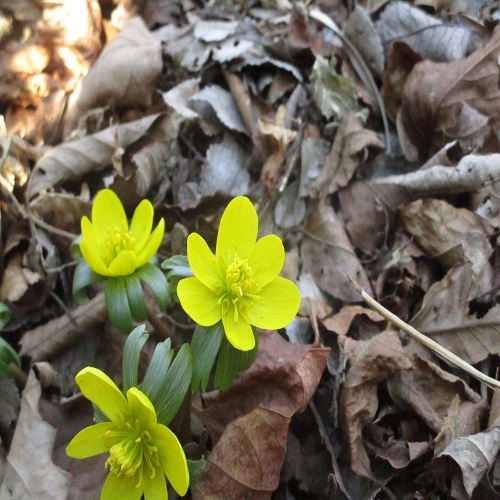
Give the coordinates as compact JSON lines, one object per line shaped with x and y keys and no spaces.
{"x":241,"y":290}
{"x":133,"y":453}
{"x":116,"y":240}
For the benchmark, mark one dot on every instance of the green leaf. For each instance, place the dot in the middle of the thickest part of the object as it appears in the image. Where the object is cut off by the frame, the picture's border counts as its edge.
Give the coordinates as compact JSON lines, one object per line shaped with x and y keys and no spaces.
{"x":99,"y":415}
{"x":230,"y":362}
{"x":157,"y":371}
{"x":196,"y":469}
{"x":131,"y":353}
{"x":83,"y":277}
{"x":74,"y":249}
{"x":155,"y":279}
{"x":178,"y":268}
{"x":204,"y":347}
{"x":135,"y":297}
{"x":176,"y":384}
{"x":5,"y":314}
{"x":7,"y":356}
{"x":117,"y":304}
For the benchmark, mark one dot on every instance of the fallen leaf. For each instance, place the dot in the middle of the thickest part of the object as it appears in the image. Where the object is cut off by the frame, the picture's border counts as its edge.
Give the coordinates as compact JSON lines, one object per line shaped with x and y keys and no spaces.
{"x":249,"y":422}
{"x":425,"y":34}
{"x":72,"y":160}
{"x":351,"y":140}
{"x":371,"y":363}
{"x":446,"y":101}
{"x":224,"y":105}
{"x":30,"y":471}
{"x":247,"y":460}
{"x":445,"y":318}
{"x":474,"y":455}
{"x":125,"y":73}
{"x":341,"y":322}
{"x":329,"y":256}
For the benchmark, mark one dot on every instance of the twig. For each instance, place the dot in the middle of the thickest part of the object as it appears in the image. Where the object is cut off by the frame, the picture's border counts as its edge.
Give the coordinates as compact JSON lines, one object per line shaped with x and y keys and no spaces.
{"x":423,"y":339}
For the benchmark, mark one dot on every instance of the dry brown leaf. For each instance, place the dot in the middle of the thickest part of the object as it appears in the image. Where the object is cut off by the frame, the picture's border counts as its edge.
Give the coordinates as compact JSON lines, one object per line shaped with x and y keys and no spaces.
{"x":444,"y":317}
{"x":474,"y":455}
{"x":341,"y":322}
{"x":250,"y":421}
{"x":125,"y":73}
{"x":371,"y":363}
{"x":45,"y":340}
{"x":370,"y":212}
{"x":350,"y":141}
{"x":450,"y":235}
{"x":442,"y":102}
{"x":283,"y":379}
{"x":30,"y":472}
{"x":246,"y":462}
{"x":329,"y":256}
{"x":429,"y":391}
{"x":70,"y":161}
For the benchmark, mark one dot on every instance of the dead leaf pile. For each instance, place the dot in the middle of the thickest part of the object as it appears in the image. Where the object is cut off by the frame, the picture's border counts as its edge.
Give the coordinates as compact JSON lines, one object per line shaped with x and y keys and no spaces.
{"x":367,"y":137}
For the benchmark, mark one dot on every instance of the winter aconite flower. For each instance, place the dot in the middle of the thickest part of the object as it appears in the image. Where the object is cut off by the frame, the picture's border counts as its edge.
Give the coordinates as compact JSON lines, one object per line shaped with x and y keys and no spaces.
{"x":141,"y":451}
{"x":109,"y":245}
{"x":240,"y":283}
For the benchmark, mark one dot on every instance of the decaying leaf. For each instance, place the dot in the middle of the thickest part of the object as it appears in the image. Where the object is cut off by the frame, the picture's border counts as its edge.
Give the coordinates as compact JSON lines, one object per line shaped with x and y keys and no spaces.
{"x":341,"y":321}
{"x":30,"y":471}
{"x":372,"y":362}
{"x":70,"y":161}
{"x":351,"y":140}
{"x":442,"y":102}
{"x":124,"y":74}
{"x":444,"y":317}
{"x":250,"y":420}
{"x":329,"y":256}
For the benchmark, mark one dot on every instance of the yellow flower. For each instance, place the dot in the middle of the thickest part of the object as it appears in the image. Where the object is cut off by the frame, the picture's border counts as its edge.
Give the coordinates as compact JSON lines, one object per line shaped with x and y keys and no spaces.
{"x":110,"y":246}
{"x":240,"y":284}
{"x":141,"y":451}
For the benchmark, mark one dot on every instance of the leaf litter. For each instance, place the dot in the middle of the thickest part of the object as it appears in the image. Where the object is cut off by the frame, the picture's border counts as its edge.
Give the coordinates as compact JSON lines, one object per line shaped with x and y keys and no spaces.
{"x":368,"y":143}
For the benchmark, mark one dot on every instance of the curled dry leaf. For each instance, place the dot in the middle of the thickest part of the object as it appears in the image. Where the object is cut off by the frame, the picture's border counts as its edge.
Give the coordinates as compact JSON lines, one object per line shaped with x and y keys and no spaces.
{"x":439,"y":227}
{"x":474,"y":455}
{"x":125,"y":73}
{"x":30,"y":472}
{"x":442,"y":102}
{"x":250,"y":421}
{"x":329,"y":256}
{"x":341,"y":322}
{"x":444,"y":317}
{"x":72,"y":160}
{"x":371,"y":363}
{"x":351,"y":140}
{"x":425,"y":34}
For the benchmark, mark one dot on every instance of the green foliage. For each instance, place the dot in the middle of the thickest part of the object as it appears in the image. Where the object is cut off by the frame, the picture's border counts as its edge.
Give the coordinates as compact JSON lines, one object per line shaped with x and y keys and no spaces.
{"x":178,"y":268}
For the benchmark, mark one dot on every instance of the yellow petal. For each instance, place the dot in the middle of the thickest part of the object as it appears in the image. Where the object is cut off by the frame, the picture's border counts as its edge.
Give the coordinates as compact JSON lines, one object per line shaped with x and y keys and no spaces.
{"x":198,"y":301}
{"x":92,"y":441}
{"x":142,"y":223}
{"x":89,"y":233}
{"x":152,"y":244}
{"x":267,"y":259}
{"x":278,"y":305}
{"x":121,"y":488}
{"x":202,"y":261}
{"x":101,"y":390}
{"x":123,"y":264}
{"x":107,"y":211}
{"x":172,"y":458}
{"x":93,"y":259}
{"x":238,"y":331}
{"x":155,"y":488}
{"x":237,"y":230}
{"x":141,"y":408}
